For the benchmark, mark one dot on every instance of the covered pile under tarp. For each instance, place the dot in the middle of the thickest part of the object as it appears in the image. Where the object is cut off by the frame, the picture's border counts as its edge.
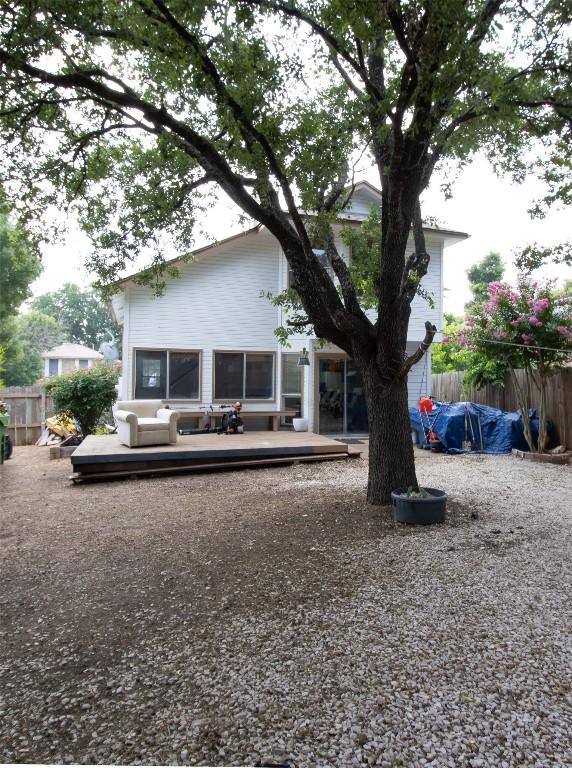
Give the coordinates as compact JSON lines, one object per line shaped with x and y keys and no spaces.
{"x":456,"y":423}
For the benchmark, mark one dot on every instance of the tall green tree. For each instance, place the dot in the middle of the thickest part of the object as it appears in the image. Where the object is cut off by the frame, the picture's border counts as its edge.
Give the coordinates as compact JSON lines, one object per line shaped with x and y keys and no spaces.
{"x":448,"y":355}
{"x":152,"y":105}
{"x":39,"y":332}
{"x":19,"y":267}
{"x":22,"y":364}
{"x":489,"y":269}
{"x":31,"y":334}
{"x":83,"y":317}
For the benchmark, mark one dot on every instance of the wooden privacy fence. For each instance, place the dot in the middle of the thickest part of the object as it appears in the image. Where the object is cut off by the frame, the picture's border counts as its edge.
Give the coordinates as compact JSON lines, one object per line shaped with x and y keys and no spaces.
{"x":29,"y":407}
{"x":448,"y":387}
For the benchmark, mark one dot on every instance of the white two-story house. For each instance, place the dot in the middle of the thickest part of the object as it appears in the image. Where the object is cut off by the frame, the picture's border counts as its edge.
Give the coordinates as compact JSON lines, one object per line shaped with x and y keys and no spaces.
{"x":210,"y":337}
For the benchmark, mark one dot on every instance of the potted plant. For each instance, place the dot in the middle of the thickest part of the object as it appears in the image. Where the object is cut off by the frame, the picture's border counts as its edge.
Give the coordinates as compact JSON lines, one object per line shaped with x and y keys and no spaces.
{"x":422,"y":506}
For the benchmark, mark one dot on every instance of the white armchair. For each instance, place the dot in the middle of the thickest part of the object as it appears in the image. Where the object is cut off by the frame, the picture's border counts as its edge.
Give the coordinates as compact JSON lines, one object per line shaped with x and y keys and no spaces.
{"x":145,"y":422}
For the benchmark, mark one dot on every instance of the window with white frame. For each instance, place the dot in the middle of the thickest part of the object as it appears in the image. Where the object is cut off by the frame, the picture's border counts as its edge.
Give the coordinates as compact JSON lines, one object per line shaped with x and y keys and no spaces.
{"x":167,"y":375}
{"x":324,"y":261}
{"x":243,"y":375}
{"x":53,"y":366}
{"x":83,"y":363}
{"x":291,"y":387}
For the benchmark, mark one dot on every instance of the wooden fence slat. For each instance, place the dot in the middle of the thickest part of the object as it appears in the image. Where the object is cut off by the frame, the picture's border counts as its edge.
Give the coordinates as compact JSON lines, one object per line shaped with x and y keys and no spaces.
{"x":448,"y":387}
{"x":28,"y":407}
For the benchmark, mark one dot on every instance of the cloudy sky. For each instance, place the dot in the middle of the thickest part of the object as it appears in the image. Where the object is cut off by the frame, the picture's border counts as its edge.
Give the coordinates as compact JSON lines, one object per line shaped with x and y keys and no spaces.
{"x":492,"y":211}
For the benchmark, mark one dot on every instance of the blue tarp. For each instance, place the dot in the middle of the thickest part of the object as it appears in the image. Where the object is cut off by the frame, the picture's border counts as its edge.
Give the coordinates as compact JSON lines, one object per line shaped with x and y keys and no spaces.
{"x":502,"y":430}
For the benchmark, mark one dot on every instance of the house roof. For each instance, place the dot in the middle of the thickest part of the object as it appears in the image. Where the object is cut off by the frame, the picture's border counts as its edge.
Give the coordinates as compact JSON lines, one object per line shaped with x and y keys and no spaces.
{"x":375,"y":192}
{"x":73,"y":351}
{"x":451,"y":236}
{"x":198,"y":252}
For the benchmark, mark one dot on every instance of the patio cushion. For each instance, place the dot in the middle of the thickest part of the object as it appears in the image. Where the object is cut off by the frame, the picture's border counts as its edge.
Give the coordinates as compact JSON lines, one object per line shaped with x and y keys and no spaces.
{"x":146,"y":424}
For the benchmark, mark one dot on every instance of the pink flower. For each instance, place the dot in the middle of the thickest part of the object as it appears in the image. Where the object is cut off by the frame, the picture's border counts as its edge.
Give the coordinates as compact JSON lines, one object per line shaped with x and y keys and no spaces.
{"x":566,"y":332}
{"x":540,"y":305}
{"x":533,"y":320}
{"x":446,"y":339}
{"x":494,"y":287}
{"x":525,"y":338}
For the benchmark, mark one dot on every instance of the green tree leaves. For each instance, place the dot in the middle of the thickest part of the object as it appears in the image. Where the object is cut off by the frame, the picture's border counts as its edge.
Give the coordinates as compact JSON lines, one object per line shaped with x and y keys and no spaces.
{"x":19,"y":267}
{"x":84,"y":395}
{"x":83,"y":318}
{"x":489,"y":269}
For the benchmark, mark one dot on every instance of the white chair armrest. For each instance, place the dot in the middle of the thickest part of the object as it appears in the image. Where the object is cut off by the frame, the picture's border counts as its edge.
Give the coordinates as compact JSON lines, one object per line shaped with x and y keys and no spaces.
{"x":166,"y":414}
{"x":126,"y":427}
{"x":171,"y":417}
{"x":127,"y":416}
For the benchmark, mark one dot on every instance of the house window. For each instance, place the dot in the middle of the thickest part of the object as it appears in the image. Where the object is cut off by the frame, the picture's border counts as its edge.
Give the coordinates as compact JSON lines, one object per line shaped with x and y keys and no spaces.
{"x":184,"y":375}
{"x":83,"y":363}
{"x":52,"y":367}
{"x":324,"y":261}
{"x":243,"y":375}
{"x":166,"y":375}
{"x":291,"y":387}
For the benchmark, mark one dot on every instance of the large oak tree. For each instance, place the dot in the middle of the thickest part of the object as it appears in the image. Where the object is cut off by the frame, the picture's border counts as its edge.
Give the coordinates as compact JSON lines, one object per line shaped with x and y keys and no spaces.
{"x":137,"y":109}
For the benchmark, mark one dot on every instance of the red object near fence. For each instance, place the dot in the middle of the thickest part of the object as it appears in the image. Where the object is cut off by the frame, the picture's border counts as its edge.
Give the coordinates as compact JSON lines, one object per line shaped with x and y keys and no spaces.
{"x":425,"y":404}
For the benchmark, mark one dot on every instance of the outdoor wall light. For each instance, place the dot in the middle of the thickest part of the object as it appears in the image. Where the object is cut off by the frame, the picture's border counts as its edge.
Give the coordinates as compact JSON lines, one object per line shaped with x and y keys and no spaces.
{"x":304,"y":359}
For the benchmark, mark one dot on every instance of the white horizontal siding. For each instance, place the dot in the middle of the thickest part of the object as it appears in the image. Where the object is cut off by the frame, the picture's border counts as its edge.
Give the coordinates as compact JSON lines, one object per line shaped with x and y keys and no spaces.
{"x":360,"y":204}
{"x":215,"y":304}
{"x":419,"y":378}
{"x":432,"y":283}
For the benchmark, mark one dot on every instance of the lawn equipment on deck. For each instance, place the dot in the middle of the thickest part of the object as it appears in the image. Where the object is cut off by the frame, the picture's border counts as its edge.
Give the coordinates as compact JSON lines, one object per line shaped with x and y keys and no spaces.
{"x":231,"y":422}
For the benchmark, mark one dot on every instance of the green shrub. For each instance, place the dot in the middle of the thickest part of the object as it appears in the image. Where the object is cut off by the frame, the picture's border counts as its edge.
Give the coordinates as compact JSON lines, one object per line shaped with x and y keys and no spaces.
{"x":84,"y":395}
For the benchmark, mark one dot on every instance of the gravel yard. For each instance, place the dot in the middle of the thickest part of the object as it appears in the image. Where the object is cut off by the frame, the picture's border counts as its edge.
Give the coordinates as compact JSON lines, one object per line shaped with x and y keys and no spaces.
{"x":271,"y":617}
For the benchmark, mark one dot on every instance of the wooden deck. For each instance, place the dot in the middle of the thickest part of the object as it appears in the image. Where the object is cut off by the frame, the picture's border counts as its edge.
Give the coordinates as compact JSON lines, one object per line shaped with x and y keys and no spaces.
{"x":103,"y":456}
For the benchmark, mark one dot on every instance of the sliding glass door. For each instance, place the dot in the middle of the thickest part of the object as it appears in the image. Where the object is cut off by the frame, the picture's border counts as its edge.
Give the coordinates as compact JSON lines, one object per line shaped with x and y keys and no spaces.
{"x":341,"y":403}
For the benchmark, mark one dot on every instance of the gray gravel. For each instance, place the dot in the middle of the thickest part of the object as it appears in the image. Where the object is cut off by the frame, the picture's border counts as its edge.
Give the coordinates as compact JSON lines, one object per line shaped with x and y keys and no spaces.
{"x":285,"y":622}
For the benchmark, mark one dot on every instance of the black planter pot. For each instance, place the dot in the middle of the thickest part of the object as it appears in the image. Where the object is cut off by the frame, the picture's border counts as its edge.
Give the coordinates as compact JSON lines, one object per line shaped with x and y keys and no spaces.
{"x":408,"y":509}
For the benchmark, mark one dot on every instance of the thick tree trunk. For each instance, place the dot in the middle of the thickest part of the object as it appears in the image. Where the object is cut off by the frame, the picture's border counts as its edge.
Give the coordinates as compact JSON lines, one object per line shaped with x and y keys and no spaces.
{"x":391,"y":460}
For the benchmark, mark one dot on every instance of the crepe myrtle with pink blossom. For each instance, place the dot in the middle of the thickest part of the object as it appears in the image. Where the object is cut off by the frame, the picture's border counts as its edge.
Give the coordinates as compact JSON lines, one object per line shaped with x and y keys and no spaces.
{"x":529,"y":327}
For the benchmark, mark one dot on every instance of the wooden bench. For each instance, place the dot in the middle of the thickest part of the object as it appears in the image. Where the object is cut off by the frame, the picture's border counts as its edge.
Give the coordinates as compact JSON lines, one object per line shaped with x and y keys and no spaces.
{"x":272,"y":416}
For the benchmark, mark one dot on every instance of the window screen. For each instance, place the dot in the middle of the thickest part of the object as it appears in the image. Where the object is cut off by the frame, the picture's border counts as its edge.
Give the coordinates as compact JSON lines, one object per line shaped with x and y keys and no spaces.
{"x":244,"y":376}
{"x":184,"y":375}
{"x":259,"y":370}
{"x":229,"y":375}
{"x":150,"y":374}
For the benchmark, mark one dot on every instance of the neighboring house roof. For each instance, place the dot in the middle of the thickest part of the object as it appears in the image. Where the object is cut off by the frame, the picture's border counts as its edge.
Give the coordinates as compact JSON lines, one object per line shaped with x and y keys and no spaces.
{"x":73,"y":352}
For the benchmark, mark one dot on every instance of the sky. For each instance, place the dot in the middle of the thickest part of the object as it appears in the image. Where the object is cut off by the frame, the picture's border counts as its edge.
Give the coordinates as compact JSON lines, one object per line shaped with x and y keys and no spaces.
{"x":492,"y":211}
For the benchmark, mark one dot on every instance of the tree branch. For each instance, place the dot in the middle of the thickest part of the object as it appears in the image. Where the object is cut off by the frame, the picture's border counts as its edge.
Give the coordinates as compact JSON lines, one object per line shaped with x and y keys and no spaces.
{"x":250,"y":133}
{"x":417,"y":262}
{"x":345,"y":77}
{"x":289,"y":9}
{"x":409,"y":362}
{"x":200,"y":148}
